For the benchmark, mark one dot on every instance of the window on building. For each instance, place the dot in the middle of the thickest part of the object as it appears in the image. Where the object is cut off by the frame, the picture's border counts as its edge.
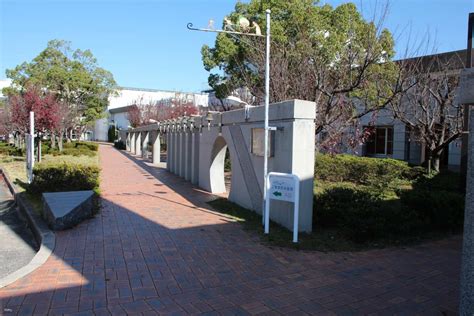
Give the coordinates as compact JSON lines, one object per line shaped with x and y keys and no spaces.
{"x":379,"y":141}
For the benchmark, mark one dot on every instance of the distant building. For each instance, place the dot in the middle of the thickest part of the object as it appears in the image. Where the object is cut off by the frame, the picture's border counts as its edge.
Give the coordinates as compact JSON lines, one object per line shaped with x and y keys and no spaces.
{"x":119,"y":104}
{"x":393,"y":139}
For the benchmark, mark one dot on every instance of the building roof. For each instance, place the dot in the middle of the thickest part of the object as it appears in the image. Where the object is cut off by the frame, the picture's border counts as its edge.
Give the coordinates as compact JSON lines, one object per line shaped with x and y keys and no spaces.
{"x":159,"y":90}
{"x":454,"y":60}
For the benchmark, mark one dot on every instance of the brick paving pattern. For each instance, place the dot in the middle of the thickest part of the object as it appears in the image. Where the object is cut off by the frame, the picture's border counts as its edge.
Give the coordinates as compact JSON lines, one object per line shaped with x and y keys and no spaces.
{"x":156,"y":249}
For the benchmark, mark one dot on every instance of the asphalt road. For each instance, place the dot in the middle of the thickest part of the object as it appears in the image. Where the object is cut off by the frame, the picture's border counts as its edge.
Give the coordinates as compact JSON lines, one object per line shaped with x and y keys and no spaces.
{"x":17,"y":244}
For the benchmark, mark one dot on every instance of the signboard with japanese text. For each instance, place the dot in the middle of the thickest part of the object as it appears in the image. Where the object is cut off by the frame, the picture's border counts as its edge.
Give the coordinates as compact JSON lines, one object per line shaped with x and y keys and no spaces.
{"x":281,"y":188}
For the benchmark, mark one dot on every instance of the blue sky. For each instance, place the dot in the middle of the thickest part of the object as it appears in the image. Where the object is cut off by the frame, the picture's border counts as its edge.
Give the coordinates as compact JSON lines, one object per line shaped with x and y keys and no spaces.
{"x":145,"y":43}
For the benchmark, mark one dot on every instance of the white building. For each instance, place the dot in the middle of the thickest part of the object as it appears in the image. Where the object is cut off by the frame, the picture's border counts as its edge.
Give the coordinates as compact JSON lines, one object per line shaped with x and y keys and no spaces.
{"x":120,"y":103}
{"x":3,"y":84}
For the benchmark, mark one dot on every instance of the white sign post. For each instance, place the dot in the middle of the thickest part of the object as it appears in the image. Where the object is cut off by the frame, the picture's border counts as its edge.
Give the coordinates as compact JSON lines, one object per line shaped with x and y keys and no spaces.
{"x":30,"y":149}
{"x":283,"y":187}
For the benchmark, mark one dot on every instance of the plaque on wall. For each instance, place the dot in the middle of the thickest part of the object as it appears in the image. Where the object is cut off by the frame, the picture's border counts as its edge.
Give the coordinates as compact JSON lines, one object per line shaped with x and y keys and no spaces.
{"x":258,"y":142}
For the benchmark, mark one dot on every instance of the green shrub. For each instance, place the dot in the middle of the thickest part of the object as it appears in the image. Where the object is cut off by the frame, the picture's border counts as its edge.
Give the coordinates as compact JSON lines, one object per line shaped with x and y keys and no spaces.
{"x":79,"y":149}
{"x":112,"y":134}
{"x":78,"y":152}
{"x":353,"y":210}
{"x":363,"y":213}
{"x":64,"y":177}
{"x":82,"y":146}
{"x":120,"y":145}
{"x":360,"y":170}
{"x":9,"y":150}
{"x":439,"y":210}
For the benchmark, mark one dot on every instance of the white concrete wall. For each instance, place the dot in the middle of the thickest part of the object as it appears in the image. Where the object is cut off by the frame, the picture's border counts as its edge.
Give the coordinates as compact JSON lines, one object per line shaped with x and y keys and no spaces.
{"x":293,"y":153}
{"x":100,"y":130}
{"x":120,"y":119}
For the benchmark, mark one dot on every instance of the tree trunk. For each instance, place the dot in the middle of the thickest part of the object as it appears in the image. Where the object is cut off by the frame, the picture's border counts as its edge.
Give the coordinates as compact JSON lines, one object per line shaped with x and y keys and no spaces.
{"x":436,"y":162}
{"x":60,"y":141}
{"x":39,"y":149}
{"x":53,"y":141}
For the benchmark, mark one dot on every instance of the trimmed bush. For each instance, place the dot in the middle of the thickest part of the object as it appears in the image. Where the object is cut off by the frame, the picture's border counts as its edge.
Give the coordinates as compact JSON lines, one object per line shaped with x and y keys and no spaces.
{"x":82,"y":146}
{"x":360,"y":170}
{"x":64,"y":177}
{"x":363,"y":213}
{"x":112,"y":134}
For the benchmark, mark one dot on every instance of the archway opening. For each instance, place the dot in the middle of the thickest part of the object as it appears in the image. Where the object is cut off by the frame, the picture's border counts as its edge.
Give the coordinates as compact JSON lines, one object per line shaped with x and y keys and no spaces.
{"x":227,"y":171}
{"x":221,"y":168}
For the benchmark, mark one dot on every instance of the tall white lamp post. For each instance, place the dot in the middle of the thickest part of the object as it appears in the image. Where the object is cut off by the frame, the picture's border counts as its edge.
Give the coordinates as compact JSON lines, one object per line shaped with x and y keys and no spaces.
{"x":267,"y":88}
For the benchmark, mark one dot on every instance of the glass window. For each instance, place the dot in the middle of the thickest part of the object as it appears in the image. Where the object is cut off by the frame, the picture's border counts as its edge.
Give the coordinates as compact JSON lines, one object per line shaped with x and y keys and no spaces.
{"x":380,"y":141}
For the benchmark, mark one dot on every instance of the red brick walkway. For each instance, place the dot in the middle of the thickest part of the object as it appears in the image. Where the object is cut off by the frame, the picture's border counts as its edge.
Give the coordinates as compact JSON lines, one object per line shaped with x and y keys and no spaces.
{"x":155,"y":248}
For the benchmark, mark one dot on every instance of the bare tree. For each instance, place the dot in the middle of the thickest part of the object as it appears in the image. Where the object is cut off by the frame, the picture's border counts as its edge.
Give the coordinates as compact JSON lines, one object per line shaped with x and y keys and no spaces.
{"x":428,"y":107}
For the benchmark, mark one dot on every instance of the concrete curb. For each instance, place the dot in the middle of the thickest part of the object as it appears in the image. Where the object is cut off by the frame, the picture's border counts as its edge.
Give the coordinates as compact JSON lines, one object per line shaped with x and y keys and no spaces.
{"x":43,"y":235}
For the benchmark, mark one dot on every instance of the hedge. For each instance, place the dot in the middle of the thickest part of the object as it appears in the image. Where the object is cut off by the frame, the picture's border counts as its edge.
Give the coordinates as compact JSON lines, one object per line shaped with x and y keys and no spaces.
{"x":362,"y":170}
{"x":82,"y":146}
{"x":64,"y":177}
{"x":363,"y":214}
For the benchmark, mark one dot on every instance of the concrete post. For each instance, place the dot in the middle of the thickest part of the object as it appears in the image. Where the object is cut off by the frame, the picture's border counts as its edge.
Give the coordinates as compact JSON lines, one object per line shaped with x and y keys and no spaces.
{"x":138,"y":144}
{"x":467,"y":271}
{"x":182,"y":148}
{"x":133,"y":143}
{"x":195,"y":158}
{"x":127,"y":142}
{"x":169,"y":151}
{"x":156,"y":149}
{"x":146,"y":139}
{"x":188,"y":156}
{"x":176,"y":153}
{"x":174,"y":138}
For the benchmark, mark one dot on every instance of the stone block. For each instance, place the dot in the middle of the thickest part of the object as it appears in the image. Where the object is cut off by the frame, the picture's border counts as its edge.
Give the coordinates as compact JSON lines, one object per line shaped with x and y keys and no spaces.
{"x":63,"y":210}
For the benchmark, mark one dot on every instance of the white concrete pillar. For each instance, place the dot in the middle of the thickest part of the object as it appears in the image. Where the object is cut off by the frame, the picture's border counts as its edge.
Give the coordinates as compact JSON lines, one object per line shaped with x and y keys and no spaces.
{"x":138,"y":144}
{"x":156,"y":149}
{"x":168,"y":151}
{"x":173,"y":152}
{"x":182,"y":149}
{"x":176,"y":153}
{"x":146,"y":139}
{"x":188,"y":156}
{"x":133,"y":143}
{"x":195,"y":157}
{"x":127,"y":141}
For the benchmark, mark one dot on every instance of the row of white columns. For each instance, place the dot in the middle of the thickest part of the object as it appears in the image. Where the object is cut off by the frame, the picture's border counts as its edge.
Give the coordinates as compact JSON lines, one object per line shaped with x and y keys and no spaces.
{"x":183,"y":154}
{"x":137,"y":144}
